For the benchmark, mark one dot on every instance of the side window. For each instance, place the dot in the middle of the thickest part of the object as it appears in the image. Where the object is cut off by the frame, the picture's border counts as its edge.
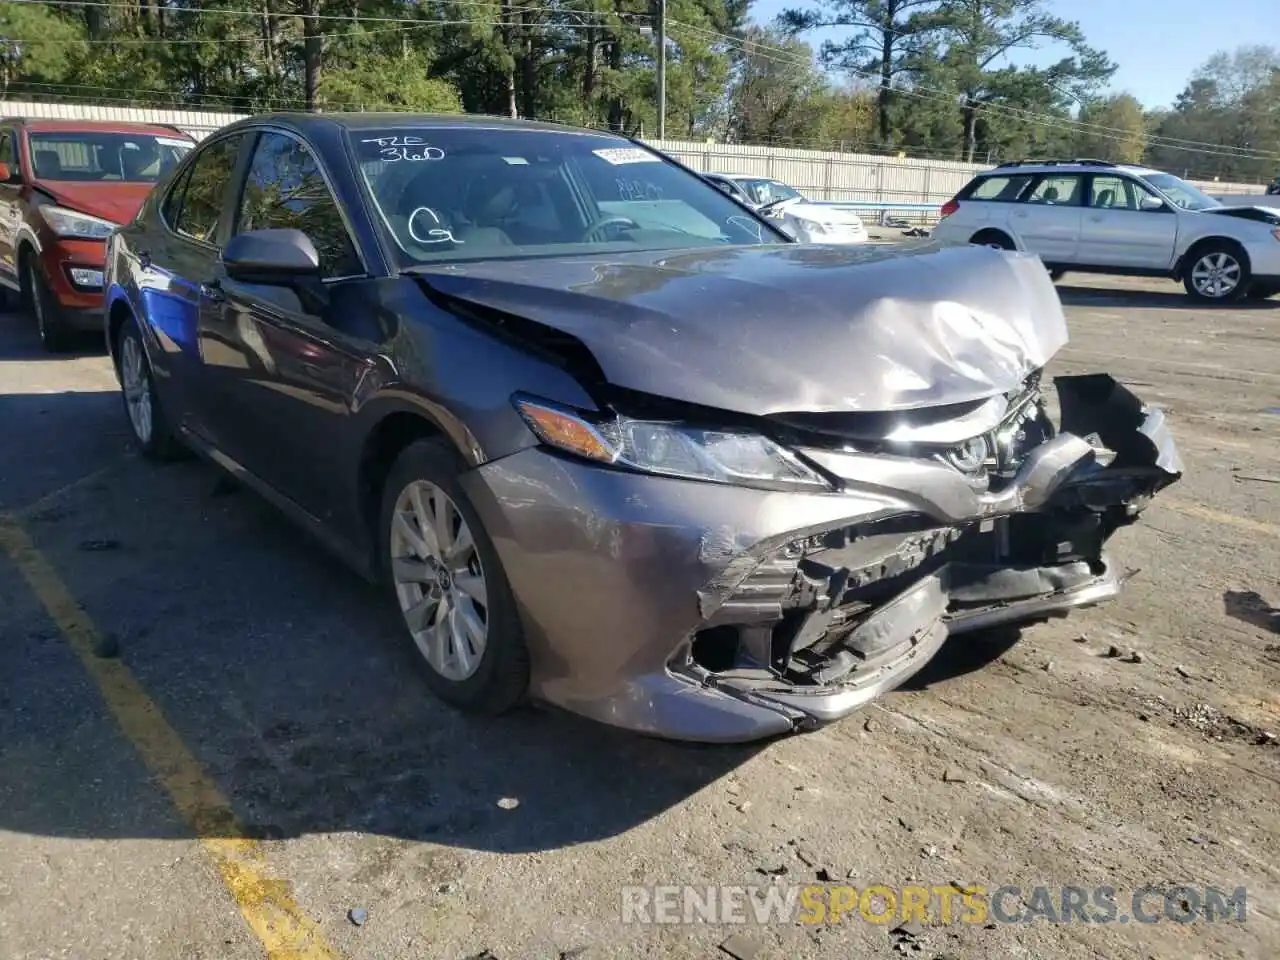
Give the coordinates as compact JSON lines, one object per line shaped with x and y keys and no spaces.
{"x":285,"y":189}
{"x":1117,"y":193}
{"x":203,"y":190}
{"x":172,"y":206}
{"x":1060,"y":190}
{"x":8,"y":150}
{"x":1004,"y":189}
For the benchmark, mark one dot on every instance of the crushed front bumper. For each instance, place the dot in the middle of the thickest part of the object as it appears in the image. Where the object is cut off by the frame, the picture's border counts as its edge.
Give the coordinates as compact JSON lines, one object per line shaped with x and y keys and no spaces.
{"x":716,"y":613}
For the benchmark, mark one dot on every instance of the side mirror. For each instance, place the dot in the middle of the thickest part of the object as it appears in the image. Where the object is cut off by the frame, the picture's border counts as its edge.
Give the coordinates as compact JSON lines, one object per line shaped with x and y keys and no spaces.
{"x":1151,"y":203}
{"x":272,"y":257}
{"x":8,"y":174}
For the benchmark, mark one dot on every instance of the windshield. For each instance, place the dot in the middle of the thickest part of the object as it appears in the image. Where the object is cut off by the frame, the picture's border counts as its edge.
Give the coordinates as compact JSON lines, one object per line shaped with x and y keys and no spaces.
{"x":764,"y":191}
{"x":451,"y":193}
{"x":105,"y":157}
{"x":1181,"y":192}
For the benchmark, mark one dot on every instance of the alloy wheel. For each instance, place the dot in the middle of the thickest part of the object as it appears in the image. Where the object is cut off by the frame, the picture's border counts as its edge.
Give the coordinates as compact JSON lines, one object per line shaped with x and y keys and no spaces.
{"x":137,"y":388}
{"x":1216,"y":275}
{"x":439,"y":580}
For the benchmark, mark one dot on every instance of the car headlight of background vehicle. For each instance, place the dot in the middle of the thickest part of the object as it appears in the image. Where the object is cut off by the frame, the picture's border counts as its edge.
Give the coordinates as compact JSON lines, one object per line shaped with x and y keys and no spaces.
{"x":70,"y":223}
{"x":671,"y":449}
{"x":812,"y":226}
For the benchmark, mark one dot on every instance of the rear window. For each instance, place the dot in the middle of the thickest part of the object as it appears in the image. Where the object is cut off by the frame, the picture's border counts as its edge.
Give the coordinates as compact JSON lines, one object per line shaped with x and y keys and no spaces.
{"x":1004,"y":187}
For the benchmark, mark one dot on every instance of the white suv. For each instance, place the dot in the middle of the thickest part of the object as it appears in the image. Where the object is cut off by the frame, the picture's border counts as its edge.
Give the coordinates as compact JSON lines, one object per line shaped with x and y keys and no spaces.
{"x":1101,"y":217}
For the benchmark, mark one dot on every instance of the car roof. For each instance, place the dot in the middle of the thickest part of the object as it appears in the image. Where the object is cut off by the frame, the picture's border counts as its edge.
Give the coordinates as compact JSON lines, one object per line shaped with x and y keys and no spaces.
{"x":310,"y":122}
{"x":96,"y":126}
{"x":1067,"y":166}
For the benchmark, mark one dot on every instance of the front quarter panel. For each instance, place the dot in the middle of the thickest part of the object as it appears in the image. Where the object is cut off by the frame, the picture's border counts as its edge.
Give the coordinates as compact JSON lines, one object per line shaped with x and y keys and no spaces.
{"x":460,"y":374}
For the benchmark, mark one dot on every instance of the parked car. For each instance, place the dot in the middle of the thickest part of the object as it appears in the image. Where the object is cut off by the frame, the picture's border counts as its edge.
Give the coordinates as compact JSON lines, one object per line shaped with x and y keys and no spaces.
{"x":799,"y":217}
{"x":644,"y":458}
{"x":1099,"y":217}
{"x":64,"y":186}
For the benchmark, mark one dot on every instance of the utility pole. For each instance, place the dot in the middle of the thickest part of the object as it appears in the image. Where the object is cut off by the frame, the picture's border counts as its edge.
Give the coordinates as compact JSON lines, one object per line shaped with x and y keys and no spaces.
{"x":662,"y":69}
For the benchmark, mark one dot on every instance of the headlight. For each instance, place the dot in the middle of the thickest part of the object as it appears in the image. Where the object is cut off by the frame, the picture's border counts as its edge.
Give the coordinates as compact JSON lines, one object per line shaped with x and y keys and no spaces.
{"x":69,"y":223}
{"x":812,"y":226}
{"x":671,"y":449}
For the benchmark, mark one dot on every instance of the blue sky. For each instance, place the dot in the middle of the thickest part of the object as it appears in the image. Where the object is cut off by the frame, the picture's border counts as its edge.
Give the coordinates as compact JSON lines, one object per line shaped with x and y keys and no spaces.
{"x":1157,"y":45}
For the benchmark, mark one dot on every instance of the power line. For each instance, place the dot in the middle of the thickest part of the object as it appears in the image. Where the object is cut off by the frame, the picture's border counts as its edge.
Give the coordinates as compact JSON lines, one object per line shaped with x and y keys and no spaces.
{"x":781,"y":55}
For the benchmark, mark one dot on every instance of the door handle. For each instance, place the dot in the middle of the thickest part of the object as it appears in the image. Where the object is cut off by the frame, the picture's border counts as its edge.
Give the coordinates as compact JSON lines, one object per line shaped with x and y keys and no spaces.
{"x":212,"y":291}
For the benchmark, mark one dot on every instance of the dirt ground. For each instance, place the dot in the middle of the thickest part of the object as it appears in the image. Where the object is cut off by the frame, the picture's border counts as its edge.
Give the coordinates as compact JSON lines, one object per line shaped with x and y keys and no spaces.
{"x":213,"y":743}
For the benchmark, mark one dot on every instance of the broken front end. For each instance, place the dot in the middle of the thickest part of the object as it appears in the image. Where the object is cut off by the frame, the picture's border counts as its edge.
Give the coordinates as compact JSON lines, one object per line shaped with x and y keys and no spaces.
{"x":1006,"y":525}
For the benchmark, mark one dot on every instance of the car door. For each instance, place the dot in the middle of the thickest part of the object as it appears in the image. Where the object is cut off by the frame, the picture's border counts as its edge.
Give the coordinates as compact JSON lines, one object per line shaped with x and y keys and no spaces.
{"x":288,"y":362}
{"x":1118,"y":232}
{"x":178,"y":265}
{"x":1047,"y":220}
{"x":10,"y":208}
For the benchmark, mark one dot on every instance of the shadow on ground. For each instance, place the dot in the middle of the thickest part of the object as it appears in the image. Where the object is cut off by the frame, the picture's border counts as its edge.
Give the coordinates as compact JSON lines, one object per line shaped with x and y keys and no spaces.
{"x":283,"y":672}
{"x":1174,"y":299}
{"x":966,"y":653}
{"x":1250,"y":607}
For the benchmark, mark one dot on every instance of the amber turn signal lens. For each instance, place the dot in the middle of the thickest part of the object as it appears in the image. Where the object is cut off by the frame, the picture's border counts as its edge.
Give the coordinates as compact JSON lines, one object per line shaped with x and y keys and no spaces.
{"x":564,"y":431}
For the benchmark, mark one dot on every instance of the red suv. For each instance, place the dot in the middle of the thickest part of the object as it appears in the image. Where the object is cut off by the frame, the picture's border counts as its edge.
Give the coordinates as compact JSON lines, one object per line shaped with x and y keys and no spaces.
{"x":65,"y":185}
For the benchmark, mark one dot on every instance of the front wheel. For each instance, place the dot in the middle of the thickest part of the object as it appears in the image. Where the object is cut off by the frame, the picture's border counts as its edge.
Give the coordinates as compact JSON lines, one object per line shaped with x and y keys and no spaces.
{"x":150,"y":426}
{"x":1217,"y":273}
{"x":55,"y":335}
{"x":448,"y":584}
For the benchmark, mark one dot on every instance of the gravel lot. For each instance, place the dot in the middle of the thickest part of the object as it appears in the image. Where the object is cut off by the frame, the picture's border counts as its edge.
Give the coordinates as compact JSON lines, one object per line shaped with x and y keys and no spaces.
{"x":295,"y":707}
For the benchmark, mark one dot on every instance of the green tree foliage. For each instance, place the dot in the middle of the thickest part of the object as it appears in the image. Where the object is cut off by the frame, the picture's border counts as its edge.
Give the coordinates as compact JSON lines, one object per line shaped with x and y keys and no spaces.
{"x":1233,"y":103}
{"x":35,"y":44}
{"x":1113,"y":129}
{"x":936,"y":78}
{"x":889,"y":40}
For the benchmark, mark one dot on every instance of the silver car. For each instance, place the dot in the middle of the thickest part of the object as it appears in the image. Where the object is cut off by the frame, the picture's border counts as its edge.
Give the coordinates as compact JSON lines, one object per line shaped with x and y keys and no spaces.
{"x":797,"y":216}
{"x":1094,"y":216}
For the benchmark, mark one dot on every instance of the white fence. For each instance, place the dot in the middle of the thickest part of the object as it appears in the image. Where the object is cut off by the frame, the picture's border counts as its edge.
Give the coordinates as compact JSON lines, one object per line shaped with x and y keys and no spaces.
{"x":844,"y":177}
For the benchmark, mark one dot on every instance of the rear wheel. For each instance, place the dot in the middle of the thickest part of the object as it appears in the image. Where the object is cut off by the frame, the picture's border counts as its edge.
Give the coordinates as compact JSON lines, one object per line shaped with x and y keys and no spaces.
{"x":151,"y":428}
{"x":55,"y":334}
{"x":448,"y":584}
{"x":1216,"y":272}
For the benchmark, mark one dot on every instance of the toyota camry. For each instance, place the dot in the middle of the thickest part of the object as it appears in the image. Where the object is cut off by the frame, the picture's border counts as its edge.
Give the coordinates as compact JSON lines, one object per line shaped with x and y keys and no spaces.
{"x":607,"y":438}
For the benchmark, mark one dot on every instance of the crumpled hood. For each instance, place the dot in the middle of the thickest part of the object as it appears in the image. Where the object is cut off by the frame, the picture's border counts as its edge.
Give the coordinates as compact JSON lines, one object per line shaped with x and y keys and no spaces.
{"x":1248,"y":212}
{"x":117,"y":202}
{"x":789,"y":327}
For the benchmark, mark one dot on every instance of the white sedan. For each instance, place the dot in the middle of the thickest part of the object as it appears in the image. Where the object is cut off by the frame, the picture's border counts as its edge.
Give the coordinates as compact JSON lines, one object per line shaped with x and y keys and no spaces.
{"x":807,"y":221}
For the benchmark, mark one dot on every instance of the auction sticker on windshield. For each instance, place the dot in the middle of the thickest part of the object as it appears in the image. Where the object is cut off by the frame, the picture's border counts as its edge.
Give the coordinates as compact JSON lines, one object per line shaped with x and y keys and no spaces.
{"x":620,"y":155}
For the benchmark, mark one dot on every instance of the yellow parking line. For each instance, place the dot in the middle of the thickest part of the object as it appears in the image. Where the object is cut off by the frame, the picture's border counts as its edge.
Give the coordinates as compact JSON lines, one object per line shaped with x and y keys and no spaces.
{"x":1217,"y":516}
{"x":266,"y":902}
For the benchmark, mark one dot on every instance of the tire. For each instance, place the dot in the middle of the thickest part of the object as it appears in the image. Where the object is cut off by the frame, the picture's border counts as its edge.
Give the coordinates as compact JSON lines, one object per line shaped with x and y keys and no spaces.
{"x":151,"y":429}
{"x":993,"y":238}
{"x":55,"y":335}
{"x":1216,"y":261}
{"x":494,"y":678}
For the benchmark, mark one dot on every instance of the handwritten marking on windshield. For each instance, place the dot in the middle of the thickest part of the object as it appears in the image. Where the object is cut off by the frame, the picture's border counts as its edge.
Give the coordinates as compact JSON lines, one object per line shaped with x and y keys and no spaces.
{"x":395,"y":149}
{"x":437,"y":234}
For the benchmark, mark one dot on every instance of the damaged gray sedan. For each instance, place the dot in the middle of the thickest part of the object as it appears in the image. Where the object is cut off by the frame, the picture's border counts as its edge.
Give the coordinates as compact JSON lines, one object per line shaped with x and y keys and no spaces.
{"x":607,"y":438}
